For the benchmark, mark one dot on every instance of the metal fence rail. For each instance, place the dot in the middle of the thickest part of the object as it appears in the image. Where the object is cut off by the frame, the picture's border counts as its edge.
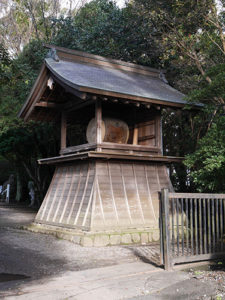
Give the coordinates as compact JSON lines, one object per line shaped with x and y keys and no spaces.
{"x":192,"y":227}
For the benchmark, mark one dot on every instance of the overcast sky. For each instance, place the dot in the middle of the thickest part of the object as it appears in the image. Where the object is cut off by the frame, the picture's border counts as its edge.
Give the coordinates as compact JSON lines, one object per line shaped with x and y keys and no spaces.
{"x":65,"y":3}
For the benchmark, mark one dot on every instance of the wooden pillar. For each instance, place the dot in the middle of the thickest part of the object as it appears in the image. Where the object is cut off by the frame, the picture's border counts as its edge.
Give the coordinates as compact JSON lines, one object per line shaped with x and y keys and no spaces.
{"x":98,"y":117}
{"x":63,"y":130}
{"x":165,"y":219}
{"x":158,"y":132}
{"x":135,"y":135}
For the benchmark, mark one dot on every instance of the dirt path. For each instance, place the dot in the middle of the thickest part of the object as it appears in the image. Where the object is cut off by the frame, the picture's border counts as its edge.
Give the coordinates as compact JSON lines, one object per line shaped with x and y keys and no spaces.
{"x":35,"y":256}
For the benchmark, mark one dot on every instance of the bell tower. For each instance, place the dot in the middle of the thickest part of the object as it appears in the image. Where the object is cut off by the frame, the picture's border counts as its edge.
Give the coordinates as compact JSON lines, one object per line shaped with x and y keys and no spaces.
{"x":111,"y":167}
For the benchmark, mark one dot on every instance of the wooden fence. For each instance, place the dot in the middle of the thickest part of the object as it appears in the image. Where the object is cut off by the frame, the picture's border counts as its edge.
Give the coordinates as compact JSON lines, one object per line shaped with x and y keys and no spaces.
{"x":192,"y":227}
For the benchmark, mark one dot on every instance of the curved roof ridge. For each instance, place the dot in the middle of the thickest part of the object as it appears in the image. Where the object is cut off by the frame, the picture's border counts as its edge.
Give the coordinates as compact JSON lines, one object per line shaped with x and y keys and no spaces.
{"x":97,"y":59}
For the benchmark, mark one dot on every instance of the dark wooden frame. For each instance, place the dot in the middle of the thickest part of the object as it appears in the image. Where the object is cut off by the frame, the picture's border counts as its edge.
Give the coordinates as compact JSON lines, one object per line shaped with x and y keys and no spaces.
{"x":110,"y":155}
{"x":99,"y":145}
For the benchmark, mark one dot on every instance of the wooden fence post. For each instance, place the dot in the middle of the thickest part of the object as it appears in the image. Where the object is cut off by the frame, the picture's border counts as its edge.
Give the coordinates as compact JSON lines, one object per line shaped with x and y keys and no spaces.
{"x":165,"y":229}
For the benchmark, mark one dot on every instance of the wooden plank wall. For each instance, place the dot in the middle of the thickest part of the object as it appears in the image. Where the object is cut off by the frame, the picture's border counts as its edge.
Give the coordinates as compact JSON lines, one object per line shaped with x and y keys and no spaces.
{"x":147,"y":133}
{"x":104,"y":195}
{"x":127,"y":194}
{"x":69,"y":197}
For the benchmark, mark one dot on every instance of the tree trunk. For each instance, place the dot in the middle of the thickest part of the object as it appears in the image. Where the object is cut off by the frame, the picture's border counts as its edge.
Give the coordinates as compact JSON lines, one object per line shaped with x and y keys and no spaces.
{"x":18,"y":188}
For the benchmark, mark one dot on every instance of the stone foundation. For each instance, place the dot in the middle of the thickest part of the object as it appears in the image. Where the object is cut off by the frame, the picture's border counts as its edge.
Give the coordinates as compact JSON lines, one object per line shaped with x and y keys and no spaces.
{"x":98,"y":239}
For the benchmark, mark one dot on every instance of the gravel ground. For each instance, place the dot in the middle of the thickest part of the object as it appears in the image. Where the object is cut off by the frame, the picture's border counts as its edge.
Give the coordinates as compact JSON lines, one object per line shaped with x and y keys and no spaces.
{"x":35,"y":255}
{"x":28,"y":256}
{"x":213,"y":274}
{"x":38,"y":256}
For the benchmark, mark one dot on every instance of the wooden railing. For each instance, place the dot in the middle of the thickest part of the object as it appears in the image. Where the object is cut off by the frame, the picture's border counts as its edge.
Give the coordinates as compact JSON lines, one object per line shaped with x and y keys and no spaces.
{"x":192,"y":227}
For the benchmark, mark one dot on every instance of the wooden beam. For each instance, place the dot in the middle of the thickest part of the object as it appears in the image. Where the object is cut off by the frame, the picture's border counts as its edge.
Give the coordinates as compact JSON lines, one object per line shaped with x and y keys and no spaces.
{"x":79,"y":148}
{"x":131,"y":97}
{"x":110,"y":146}
{"x":39,"y":90}
{"x":49,"y":105}
{"x":147,"y":137}
{"x":196,"y":195}
{"x":35,"y":94}
{"x":63,"y":131}
{"x":72,"y":105}
{"x":110,"y":155}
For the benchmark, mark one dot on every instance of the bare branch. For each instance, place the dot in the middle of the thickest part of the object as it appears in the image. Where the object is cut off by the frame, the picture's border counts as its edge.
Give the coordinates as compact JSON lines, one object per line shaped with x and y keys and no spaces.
{"x":215,"y":43}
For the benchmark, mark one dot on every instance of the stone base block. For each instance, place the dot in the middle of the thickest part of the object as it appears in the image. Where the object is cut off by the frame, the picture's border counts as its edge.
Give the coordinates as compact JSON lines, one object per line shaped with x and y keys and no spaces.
{"x":99,"y":239}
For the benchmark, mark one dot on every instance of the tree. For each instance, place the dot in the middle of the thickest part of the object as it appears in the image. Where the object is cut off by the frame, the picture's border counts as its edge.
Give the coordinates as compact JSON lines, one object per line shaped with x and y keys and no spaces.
{"x":23,"y":143}
{"x":185,"y":37}
{"x":100,"y":27}
{"x":192,"y":37}
{"x":207,"y":163}
{"x":17,"y":77}
{"x":24,"y":20}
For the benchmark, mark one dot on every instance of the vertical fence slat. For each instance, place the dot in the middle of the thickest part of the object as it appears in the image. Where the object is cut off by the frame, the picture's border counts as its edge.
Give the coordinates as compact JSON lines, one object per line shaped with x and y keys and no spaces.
{"x":205,"y":225}
{"x":161,"y":233}
{"x":178,"y":235}
{"x":223,"y":237}
{"x":200,"y":227}
{"x":209,"y":225}
{"x":191,"y":227}
{"x":182,"y":224}
{"x":187,"y":227}
{"x":213,"y":225}
{"x":217,"y":224}
{"x":173,"y":236}
{"x":221,"y":224}
{"x":196,"y":225}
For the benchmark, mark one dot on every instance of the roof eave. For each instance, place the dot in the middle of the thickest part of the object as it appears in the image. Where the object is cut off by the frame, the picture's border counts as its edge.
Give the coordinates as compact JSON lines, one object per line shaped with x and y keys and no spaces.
{"x":28,"y":103}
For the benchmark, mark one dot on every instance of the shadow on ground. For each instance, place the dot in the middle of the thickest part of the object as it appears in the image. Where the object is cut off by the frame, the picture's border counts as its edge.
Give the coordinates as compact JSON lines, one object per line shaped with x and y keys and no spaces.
{"x":148,"y":253}
{"x":27,"y":256}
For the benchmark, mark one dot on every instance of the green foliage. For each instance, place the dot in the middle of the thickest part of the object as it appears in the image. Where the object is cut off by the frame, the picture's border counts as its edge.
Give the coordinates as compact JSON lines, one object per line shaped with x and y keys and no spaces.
{"x":18,"y":77}
{"x":181,"y":132}
{"x":25,"y":139}
{"x":6,"y":169}
{"x":207,"y":163}
{"x":23,"y":143}
{"x":216,"y":90}
{"x":100,"y":27}
{"x":182,"y":36}
{"x":33,"y":55}
{"x":5,"y":63}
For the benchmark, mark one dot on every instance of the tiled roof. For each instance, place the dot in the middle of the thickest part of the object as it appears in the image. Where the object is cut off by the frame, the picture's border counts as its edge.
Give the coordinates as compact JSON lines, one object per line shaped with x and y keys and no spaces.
{"x":82,"y":76}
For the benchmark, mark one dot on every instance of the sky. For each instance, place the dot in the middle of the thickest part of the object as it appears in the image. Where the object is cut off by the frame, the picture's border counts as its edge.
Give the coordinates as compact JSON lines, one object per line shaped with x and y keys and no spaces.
{"x":65,"y":3}
{"x":120,"y":3}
